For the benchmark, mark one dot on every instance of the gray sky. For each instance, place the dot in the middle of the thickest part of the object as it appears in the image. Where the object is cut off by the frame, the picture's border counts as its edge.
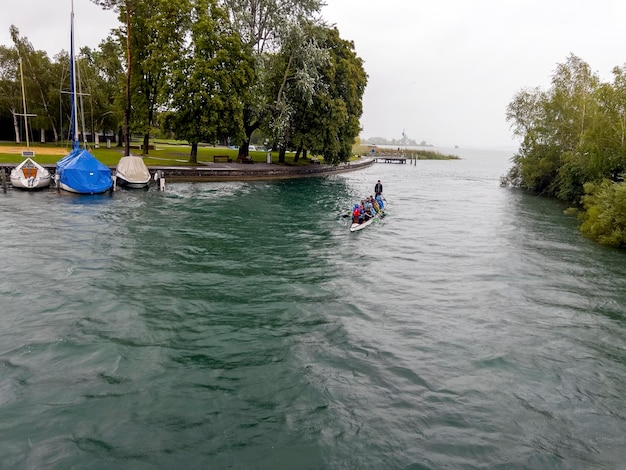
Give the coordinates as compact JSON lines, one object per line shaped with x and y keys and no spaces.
{"x":442,"y":71}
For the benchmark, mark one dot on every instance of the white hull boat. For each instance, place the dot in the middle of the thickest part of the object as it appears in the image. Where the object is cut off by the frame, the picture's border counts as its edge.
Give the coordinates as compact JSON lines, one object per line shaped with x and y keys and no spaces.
{"x":356,"y":227}
{"x":30,"y":175}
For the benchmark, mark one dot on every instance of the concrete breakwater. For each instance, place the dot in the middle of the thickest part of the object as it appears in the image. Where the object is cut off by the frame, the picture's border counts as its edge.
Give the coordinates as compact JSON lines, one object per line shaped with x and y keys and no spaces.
{"x":238,"y":171}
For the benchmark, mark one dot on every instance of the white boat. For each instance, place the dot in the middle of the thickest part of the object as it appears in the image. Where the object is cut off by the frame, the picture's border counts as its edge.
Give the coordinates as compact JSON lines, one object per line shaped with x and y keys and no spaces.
{"x":79,"y":171}
{"x":29,"y":174}
{"x":132,"y":172}
{"x":356,"y":227}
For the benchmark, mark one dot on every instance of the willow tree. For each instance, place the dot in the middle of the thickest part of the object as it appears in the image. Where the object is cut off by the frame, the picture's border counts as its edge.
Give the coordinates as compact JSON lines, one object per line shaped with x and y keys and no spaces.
{"x":297,"y":77}
{"x":263,"y":26}
{"x":332,"y":123}
{"x":41,"y":79}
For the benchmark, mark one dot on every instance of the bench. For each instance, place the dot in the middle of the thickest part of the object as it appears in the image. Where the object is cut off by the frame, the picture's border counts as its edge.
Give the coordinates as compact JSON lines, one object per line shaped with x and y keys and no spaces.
{"x":244,"y":160}
{"x":140,"y":146}
{"x":315,"y":161}
{"x":222,"y":158}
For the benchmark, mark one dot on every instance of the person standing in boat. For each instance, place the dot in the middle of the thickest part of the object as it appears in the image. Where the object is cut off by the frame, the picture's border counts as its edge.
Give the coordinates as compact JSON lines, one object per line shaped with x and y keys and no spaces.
{"x":378,"y":189}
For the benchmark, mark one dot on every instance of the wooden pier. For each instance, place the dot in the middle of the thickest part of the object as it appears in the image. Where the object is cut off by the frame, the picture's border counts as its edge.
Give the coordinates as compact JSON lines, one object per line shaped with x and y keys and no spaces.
{"x":382,"y":158}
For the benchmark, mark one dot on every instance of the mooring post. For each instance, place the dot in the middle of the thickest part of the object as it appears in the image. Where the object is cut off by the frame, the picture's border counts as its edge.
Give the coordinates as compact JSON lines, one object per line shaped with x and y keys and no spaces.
{"x":4,"y":179}
{"x":159,"y":178}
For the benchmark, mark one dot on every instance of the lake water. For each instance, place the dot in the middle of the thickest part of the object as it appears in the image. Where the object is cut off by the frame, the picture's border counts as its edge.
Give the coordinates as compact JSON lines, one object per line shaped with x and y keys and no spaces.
{"x":241,"y":325}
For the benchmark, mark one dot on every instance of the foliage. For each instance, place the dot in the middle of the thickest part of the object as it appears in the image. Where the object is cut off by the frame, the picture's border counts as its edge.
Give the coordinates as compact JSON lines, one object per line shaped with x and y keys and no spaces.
{"x":339,"y":104}
{"x":209,"y":80}
{"x":571,"y":134}
{"x":604,"y":218}
{"x":40,"y":83}
{"x":158,"y":31}
{"x":212,"y":70}
{"x":267,"y":28}
{"x":574,"y":143}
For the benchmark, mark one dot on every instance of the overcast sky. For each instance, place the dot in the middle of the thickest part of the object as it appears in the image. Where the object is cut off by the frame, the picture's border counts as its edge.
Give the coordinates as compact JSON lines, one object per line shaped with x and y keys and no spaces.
{"x":442,"y":71}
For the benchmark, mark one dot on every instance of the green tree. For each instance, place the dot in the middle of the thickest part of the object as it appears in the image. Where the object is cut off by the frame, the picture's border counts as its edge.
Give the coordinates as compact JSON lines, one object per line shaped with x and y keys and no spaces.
{"x":40,"y":81}
{"x":209,"y":80}
{"x":264,"y":26}
{"x":604,"y":218}
{"x":329,"y":124}
{"x":554,"y":126}
{"x":109,"y":80}
{"x":338,"y":107}
{"x":10,"y":96}
{"x":297,"y":79}
{"x":158,"y":31}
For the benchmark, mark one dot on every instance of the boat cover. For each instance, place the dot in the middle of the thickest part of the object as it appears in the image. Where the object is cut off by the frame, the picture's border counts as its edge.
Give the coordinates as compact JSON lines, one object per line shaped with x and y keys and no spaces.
{"x":80,"y":171}
{"x":133,"y":169}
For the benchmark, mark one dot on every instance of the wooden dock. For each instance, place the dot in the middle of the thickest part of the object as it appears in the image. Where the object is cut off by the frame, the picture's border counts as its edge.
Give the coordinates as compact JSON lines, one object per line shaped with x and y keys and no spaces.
{"x":382,"y":158}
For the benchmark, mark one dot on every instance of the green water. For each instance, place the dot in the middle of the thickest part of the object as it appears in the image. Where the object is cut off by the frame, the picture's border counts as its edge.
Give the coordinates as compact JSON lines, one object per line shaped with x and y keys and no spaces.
{"x":241,"y":325}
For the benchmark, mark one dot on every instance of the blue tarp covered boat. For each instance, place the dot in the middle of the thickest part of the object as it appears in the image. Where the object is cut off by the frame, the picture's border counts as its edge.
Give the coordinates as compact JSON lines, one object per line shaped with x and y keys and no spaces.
{"x":79,"y":171}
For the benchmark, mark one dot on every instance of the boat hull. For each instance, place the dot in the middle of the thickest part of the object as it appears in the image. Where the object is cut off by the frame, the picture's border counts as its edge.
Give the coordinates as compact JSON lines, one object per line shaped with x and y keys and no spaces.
{"x":121,"y":182}
{"x":361,"y":226}
{"x":30,"y":175}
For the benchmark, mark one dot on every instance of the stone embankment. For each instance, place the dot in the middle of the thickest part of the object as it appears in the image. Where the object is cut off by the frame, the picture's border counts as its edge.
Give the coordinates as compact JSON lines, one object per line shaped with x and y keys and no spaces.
{"x":241,"y":171}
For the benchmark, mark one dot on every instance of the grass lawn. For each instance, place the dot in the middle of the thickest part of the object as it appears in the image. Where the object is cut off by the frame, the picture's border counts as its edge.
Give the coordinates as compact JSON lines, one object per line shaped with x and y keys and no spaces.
{"x":165,"y":154}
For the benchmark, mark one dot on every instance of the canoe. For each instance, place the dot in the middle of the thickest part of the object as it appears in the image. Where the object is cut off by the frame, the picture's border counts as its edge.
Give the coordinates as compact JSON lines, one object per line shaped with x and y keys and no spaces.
{"x":365,"y":223}
{"x":361,"y":226}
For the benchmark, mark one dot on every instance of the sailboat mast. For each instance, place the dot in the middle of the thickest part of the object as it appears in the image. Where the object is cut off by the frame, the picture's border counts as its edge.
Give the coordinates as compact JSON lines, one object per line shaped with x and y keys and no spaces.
{"x":24,"y":102}
{"x":74,"y":123}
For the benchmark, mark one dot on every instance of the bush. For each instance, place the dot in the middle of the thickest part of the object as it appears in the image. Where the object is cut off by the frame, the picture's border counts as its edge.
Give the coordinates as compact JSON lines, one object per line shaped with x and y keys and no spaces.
{"x":604,"y":217}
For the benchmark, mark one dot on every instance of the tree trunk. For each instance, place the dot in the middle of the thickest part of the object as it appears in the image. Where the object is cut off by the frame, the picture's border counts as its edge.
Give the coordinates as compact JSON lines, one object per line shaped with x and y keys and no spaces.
{"x":244,"y":148}
{"x":16,"y":127}
{"x":120,"y":137}
{"x":193,"y":157}
{"x":146,"y":140}
{"x":297,"y":155}
{"x":281,"y":154}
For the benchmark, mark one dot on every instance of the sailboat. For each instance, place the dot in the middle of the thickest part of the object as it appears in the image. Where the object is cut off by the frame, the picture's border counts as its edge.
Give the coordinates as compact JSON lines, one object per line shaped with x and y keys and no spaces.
{"x":79,"y":171}
{"x":29,"y":174}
